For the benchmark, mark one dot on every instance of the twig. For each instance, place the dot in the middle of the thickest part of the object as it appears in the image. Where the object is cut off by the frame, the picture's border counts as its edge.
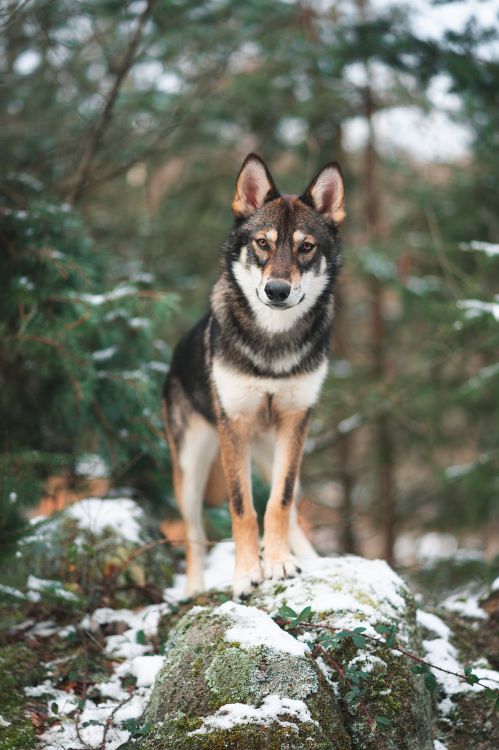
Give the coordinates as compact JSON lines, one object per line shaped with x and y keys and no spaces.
{"x":109,"y":720}
{"x":137,"y":553}
{"x":381,"y":642}
{"x":83,"y":168}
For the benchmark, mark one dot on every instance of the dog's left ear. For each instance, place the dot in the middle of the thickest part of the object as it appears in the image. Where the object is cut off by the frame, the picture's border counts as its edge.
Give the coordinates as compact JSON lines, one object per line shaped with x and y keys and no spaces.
{"x":326,"y":193}
{"x":254,"y":187}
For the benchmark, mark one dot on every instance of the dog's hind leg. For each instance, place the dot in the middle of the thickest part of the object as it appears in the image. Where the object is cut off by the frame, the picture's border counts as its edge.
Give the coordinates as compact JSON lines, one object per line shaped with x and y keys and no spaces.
{"x":193,"y":450}
{"x":298,"y":541}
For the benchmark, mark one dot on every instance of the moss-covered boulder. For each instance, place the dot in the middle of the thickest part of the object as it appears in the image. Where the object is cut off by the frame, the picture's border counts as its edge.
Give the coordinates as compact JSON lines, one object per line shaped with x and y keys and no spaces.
{"x":92,"y":547}
{"x":233,"y":678}
{"x":345,"y":594}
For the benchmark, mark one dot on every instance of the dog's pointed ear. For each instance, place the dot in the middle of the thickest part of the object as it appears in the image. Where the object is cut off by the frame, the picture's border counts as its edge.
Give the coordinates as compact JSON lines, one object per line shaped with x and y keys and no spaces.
{"x":254,"y":187}
{"x":326,"y":193}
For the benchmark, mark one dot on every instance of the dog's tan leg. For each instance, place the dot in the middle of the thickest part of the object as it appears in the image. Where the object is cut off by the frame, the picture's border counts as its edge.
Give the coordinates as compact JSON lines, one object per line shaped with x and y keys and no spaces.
{"x":291,"y":430}
{"x":263,"y":453}
{"x":235,"y":452}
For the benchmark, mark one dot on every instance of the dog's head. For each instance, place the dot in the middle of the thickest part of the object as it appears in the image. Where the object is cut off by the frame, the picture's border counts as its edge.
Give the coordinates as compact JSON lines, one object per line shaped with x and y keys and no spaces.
{"x":286,"y":246}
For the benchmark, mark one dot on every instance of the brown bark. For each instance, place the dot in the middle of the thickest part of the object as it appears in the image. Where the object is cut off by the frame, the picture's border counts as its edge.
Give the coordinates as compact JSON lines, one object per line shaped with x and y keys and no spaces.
{"x":383,"y":442}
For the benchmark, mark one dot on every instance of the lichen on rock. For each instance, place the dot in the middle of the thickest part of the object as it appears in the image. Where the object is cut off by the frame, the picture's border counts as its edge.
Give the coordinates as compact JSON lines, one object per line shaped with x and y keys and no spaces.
{"x":233,"y":678}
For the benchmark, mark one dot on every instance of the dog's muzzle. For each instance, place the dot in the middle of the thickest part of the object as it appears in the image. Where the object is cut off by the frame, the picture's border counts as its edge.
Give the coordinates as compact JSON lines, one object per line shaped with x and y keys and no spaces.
{"x":277,"y":291}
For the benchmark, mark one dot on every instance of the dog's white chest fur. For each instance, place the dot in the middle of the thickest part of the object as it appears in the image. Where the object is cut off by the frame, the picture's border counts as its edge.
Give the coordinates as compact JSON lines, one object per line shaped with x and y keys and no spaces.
{"x":241,"y":394}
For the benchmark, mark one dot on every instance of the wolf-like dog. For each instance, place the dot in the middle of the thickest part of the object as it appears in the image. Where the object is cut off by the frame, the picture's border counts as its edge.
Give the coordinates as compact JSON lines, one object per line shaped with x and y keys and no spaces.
{"x":244,"y":380}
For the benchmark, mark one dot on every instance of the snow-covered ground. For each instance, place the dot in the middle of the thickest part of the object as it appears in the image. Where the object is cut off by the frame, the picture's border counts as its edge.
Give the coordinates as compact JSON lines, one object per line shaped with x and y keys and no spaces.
{"x":101,"y":722}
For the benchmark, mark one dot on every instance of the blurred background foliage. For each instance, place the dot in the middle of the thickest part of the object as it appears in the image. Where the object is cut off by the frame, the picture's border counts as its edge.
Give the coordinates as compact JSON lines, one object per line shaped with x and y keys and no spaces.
{"x":123,"y":125}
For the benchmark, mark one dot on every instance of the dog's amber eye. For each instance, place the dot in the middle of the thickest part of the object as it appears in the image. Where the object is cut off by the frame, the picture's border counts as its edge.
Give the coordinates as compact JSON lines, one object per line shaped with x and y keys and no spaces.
{"x":306,"y":247}
{"x":262,"y":242}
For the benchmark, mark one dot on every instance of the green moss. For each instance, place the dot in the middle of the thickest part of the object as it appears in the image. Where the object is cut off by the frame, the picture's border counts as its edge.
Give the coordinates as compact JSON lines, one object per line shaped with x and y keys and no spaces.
{"x":173,"y":734}
{"x":18,"y":668}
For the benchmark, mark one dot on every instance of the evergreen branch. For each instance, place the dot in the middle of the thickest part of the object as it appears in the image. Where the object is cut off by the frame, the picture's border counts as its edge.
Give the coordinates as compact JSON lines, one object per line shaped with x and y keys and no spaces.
{"x":54,"y":345}
{"x":83,"y":168}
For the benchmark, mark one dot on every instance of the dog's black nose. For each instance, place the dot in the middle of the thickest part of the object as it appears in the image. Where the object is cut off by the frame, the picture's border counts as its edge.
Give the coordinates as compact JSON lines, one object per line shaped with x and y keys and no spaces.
{"x":277,"y":291}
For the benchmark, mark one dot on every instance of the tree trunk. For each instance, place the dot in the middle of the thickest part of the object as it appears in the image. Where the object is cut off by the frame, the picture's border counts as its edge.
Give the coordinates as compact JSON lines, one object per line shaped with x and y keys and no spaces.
{"x":383,"y":444}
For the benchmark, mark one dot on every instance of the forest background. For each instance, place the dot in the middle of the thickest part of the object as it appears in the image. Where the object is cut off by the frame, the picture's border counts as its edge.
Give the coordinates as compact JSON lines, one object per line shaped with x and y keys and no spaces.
{"x":123,"y":126}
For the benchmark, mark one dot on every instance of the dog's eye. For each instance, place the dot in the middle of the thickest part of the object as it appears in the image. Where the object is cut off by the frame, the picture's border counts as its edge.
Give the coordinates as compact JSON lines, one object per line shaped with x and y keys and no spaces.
{"x":306,"y":247}
{"x":262,"y":242}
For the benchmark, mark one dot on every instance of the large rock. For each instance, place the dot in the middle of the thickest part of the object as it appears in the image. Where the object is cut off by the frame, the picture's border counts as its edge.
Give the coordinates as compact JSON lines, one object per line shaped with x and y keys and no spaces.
{"x":234,"y":679}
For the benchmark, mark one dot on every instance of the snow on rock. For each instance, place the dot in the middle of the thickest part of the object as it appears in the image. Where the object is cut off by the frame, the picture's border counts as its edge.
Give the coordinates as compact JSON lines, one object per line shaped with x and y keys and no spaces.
{"x":465,"y":605}
{"x":96,"y":514}
{"x":253,"y":628}
{"x":356,"y":590}
{"x":440,"y":652}
{"x":495,"y":584}
{"x":438,"y":745}
{"x":232,"y":714}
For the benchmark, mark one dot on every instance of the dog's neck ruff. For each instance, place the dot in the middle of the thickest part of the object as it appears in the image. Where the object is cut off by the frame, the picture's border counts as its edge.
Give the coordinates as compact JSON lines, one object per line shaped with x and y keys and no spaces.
{"x":266,"y":342}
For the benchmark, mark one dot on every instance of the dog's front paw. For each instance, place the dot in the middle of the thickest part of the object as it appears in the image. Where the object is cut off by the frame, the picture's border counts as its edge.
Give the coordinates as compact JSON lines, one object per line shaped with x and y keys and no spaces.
{"x":244,"y":581}
{"x":276,"y":569}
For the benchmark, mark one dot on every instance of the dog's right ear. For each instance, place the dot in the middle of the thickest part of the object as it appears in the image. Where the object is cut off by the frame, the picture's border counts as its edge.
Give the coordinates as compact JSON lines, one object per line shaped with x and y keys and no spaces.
{"x":254,"y":187}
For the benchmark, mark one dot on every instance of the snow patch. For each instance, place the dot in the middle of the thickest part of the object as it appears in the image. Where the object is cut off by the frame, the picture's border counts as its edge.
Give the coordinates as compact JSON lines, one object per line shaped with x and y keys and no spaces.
{"x":488,"y":248}
{"x":38,"y":586}
{"x":218,"y":572}
{"x":433,"y":623}
{"x":232,"y":714}
{"x":465,"y":605}
{"x":476,"y":307}
{"x":253,"y":628}
{"x":96,"y":514}
{"x":145,"y":669}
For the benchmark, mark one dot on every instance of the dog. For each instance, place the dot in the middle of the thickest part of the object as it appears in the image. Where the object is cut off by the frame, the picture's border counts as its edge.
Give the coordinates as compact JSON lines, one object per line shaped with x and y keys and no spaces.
{"x":243,"y":381}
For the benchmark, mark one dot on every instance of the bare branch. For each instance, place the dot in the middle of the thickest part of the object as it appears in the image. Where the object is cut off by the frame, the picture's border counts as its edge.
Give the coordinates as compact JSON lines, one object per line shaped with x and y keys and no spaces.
{"x":83,"y":169}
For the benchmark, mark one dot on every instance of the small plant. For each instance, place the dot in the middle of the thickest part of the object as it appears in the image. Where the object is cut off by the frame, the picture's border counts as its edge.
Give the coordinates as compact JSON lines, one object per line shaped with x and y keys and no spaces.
{"x":356,"y":680}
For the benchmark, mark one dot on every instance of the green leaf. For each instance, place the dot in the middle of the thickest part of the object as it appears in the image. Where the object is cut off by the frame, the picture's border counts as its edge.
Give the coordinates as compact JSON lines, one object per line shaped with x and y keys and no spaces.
{"x":358,"y":640}
{"x":382,"y":722}
{"x":358,"y":630}
{"x":141,"y":637}
{"x":54,"y":708}
{"x":381,"y":629}
{"x":352,"y":695}
{"x":492,"y":695}
{"x":305,"y":613}
{"x":287,"y":613}
{"x":419,"y":669}
{"x":430,"y":681}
